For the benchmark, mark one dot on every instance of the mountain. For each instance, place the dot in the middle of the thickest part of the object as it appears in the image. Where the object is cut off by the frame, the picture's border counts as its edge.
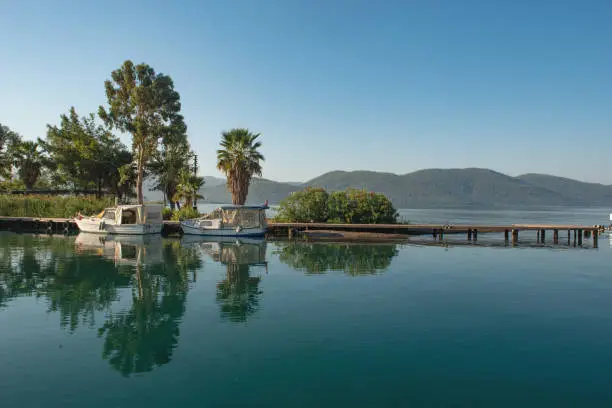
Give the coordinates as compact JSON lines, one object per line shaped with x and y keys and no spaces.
{"x":435,"y":188}
{"x":211,"y":181}
{"x":259,"y":191}
{"x":594,"y":193}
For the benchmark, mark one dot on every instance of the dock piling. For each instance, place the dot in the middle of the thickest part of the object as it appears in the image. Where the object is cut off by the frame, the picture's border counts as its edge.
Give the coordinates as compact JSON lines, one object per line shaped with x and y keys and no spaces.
{"x":555,"y":236}
{"x":579,"y":237}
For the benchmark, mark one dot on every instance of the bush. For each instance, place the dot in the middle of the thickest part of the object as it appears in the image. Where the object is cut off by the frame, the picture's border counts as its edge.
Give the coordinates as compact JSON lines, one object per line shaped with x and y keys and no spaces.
{"x":166,"y":213}
{"x":51,"y":206}
{"x":185,"y":213}
{"x":308,"y":205}
{"x":350,"y":206}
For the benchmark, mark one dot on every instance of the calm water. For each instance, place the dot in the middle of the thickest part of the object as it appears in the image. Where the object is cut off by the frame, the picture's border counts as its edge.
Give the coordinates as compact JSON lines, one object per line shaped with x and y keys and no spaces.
{"x":132,"y":322}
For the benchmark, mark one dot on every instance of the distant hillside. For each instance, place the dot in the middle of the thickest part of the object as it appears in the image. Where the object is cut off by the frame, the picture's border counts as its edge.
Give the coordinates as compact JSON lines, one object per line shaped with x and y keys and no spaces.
{"x":259,"y":191}
{"x":593,"y":193}
{"x":437,"y":188}
{"x":211,"y":181}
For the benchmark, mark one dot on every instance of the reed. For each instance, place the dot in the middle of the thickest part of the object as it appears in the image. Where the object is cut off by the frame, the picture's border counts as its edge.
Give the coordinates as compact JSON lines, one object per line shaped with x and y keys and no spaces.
{"x":46,"y":206}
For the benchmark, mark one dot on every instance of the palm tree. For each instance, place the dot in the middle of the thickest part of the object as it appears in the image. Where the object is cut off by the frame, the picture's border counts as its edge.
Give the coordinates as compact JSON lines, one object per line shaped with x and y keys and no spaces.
{"x":187,"y":189}
{"x":240,"y":160}
{"x":29,"y":161}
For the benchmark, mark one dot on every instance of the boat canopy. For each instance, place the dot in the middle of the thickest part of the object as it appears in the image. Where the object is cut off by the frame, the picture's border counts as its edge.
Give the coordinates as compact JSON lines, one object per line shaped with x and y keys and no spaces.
{"x":135,"y":214}
{"x":239,"y":216}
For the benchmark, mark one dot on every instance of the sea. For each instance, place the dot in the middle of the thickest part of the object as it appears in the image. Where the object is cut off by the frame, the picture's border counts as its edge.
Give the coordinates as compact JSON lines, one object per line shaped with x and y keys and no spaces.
{"x":93,"y":321}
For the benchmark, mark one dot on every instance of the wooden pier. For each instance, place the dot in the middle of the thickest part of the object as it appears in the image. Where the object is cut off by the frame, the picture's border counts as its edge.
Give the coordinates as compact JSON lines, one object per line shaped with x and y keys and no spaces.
{"x":572,"y":234}
{"x":511,"y":232}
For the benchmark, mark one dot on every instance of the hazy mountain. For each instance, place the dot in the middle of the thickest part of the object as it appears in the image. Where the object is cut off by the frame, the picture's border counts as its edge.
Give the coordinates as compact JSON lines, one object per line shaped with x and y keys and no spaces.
{"x":435,"y":188}
{"x":211,"y":181}
{"x":259,"y":191}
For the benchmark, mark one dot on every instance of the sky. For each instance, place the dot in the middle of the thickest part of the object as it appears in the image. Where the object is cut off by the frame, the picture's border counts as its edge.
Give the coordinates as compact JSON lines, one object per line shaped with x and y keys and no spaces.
{"x":395,"y":86}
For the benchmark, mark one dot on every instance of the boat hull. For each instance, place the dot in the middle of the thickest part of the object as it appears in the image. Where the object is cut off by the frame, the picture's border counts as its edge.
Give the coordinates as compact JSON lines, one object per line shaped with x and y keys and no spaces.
{"x":93,"y":227}
{"x":246,"y":232}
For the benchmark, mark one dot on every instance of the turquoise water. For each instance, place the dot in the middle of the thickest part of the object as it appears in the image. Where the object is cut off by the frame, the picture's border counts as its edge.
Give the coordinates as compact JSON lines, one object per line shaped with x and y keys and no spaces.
{"x":132,"y":322}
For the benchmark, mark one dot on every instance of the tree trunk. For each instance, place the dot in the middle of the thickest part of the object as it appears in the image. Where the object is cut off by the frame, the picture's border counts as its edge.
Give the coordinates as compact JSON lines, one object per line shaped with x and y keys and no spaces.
{"x":99,"y":193}
{"x":139,"y":176}
{"x":139,"y":187}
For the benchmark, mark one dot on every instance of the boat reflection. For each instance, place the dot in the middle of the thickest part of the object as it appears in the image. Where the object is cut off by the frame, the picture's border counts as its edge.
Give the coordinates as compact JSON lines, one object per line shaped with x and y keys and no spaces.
{"x":122,"y":249}
{"x":238,"y":294}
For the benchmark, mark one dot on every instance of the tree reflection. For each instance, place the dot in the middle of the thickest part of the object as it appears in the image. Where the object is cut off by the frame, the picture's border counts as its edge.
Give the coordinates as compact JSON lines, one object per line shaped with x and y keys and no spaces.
{"x":238,"y":294}
{"x":352,"y":259}
{"x":143,"y":337}
{"x":80,"y":277}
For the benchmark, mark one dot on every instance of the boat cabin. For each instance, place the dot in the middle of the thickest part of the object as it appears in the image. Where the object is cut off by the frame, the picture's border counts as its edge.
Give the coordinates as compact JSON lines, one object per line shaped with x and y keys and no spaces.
{"x":133,"y":214}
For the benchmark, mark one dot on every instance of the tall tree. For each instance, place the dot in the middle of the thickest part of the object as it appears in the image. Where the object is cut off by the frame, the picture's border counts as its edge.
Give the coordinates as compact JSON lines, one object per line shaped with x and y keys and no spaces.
{"x":240,"y":160}
{"x":145,"y":104}
{"x":28,"y":158}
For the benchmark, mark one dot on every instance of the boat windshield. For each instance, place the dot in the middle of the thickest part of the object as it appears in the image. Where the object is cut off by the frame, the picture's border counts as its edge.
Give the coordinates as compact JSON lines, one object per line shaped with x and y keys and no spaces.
{"x":109,"y":214}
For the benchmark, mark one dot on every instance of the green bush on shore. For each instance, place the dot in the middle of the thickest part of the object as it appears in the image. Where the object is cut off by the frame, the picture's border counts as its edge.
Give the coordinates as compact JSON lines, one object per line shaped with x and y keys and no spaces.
{"x":349,"y":206}
{"x":51,"y":206}
{"x":184,"y":213}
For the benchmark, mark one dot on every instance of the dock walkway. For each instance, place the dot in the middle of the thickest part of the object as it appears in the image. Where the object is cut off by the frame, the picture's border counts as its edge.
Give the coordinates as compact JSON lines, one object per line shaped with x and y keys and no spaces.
{"x":66,"y":225}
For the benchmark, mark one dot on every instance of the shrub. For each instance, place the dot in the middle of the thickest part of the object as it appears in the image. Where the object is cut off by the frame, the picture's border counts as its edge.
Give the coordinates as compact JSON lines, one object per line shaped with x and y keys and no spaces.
{"x":185,"y":213}
{"x":166,"y":213}
{"x":350,"y":206}
{"x":308,"y":205}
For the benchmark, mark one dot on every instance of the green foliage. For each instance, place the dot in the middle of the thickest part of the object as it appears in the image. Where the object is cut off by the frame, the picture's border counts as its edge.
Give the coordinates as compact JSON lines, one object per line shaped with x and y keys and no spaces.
{"x":144,"y":104}
{"x":185,"y":213}
{"x":239,"y":158}
{"x":168,"y":163}
{"x":167,"y":213}
{"x":308,"y":205}
{"x":8,"y":139}
{"x":85,"y":155}
{"x":188,"y":187}
{"x":50,"y":206}
{"x":28,"y":158}
{"x":360,"y":207}
{"x":350,"y":206}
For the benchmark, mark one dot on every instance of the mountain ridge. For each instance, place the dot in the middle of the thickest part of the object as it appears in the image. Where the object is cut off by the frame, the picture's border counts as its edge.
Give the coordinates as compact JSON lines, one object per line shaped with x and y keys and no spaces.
{"x":437,"y":188}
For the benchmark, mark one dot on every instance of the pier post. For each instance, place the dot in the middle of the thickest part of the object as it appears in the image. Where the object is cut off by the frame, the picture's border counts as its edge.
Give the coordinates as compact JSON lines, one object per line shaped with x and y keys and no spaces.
{"x":469,"y":234}
{"x":475,"y":233}
{"x":575,"y":233}
{"x":441,"y":235}
{"x":506,"y":235}
{"x":555,"y":236}
{"x":515,"y":235}
{"x":595,"y":239}
{"x":538,"y":238}
{"x":434,"y":232}
{"x":543,"y":235}
{"x":579,"y":237}
{"x":569,"y":237}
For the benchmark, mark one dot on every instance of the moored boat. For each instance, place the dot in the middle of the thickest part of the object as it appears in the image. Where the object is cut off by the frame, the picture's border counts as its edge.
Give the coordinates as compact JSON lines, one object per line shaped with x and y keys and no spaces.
{"x":124,"y":219}
{"x":229,"y":221}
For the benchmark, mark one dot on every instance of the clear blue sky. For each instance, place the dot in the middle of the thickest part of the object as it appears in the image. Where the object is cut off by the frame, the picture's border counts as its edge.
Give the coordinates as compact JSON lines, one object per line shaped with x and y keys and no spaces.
{"x":516,"y":86}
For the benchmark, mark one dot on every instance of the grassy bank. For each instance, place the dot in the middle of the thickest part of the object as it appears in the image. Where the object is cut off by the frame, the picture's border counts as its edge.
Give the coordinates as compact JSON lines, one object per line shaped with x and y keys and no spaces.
{"x":50,"y":206}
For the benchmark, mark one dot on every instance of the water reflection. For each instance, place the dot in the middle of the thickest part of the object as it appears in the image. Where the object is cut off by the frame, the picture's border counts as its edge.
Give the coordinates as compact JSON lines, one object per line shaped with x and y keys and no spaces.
{"x":352,"y":259}
{"x":238,"y":294}
{"x":131,"y":289}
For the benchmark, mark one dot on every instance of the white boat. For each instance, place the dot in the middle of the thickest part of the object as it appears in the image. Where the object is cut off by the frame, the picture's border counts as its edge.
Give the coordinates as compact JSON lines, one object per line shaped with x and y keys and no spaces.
{"x":229,"y":221}
{"x":124,"y":219}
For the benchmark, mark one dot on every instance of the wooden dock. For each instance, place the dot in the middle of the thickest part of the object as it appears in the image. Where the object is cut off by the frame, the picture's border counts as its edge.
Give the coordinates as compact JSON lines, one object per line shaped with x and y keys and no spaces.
{"x":511,"y":232}
{"x":575,"y":233}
